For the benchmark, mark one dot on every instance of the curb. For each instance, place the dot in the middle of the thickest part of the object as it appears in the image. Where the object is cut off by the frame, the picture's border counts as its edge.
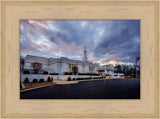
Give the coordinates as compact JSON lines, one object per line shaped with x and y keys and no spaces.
{"x":36,"y":88}
{"x":102,"y":79}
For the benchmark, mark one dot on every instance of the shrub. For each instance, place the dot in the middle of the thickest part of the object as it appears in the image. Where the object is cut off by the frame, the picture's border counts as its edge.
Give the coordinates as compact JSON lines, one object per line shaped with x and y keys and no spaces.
{"x":93,"y":74}
{"x":26,"y":80}
{"x":68,"y":79}
{"x":41,"y":80}
{"x":49,"y":79}
{"x":35,"y":80}
{"x":82,"y":78}
{"x":70,"y":73}
{"x":45,"y":72}
{"x":53,"y":73}
{"x":26,"y":72}
{"x":67,"y":73}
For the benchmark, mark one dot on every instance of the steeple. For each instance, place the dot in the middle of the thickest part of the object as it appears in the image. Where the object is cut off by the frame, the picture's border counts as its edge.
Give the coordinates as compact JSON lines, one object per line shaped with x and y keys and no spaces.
{"x":85,"y":54}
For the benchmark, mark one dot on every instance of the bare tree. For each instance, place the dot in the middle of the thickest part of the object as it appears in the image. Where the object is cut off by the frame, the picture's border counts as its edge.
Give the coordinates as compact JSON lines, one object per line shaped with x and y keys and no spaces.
{"x":137,"y":59}
{"x":22,"y":64}
{"x":36,"y":66}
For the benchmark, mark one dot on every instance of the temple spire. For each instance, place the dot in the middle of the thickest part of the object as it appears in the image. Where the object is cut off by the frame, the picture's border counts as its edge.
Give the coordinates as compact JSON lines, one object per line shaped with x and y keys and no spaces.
{"x":85,"y":54}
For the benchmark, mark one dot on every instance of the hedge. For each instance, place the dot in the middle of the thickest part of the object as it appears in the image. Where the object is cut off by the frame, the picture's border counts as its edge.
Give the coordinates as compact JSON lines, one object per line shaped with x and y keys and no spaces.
{"x":26,"y":72}
{"x":35,"y":80}
{"x":41,"y":80}
{"x":68,"y":79}
{"x":54,"y":73}
{"x":26,"y":80}
{"x":45,"y":72}
{"x":49,"y":79}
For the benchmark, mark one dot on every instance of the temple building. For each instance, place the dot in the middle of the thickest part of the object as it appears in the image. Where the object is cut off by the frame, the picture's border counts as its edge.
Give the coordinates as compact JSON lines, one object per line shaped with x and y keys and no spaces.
{"x":62,"y":65}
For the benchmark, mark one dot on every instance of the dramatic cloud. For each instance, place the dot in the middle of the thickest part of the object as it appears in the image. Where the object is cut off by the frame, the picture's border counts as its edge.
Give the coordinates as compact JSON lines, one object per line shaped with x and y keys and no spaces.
{"x":105,"y":39}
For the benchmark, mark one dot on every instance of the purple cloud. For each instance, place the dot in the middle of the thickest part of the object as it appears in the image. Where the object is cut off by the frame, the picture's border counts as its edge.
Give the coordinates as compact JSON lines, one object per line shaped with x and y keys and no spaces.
{"x":105,"y":39}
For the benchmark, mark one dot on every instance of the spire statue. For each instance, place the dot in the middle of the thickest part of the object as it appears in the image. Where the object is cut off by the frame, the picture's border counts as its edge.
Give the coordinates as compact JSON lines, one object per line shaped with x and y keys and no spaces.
{"x":85,"y":54}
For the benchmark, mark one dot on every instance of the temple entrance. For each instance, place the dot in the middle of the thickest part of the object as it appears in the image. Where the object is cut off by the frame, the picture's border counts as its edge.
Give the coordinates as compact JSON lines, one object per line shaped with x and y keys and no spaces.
{"x":73,"y":68}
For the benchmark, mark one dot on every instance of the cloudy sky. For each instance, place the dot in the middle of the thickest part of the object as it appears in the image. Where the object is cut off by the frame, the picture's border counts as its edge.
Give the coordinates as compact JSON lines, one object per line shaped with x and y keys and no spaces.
{"x":117,"y":40}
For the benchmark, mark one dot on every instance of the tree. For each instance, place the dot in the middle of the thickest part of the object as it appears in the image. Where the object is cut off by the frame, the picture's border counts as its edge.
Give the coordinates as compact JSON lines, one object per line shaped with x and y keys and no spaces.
{"x":118,"y":69}
{"x":137,"y":59}
{"x":22,"y":64}
{"x":36,"y":67}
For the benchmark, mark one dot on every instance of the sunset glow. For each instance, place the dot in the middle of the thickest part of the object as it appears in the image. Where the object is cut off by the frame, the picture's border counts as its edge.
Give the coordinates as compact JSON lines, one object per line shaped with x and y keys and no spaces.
{"x":114,"y":40}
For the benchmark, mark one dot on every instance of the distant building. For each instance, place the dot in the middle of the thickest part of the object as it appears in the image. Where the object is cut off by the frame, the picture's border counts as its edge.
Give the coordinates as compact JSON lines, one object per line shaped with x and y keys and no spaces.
{"x":106,"y":70}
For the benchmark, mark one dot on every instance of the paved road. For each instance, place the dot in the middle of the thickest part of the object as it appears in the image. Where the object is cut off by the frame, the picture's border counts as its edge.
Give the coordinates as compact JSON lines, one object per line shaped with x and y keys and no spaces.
{"x":97,"y":89}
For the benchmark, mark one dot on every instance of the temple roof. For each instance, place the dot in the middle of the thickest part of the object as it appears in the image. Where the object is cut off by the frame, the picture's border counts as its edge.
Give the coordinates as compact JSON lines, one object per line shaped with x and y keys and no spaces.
{"x":43,"y":60}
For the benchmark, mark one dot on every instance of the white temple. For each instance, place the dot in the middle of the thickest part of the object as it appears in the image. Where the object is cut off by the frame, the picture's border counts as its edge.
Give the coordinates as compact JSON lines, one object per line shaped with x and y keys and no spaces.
{"x":62,"y":64}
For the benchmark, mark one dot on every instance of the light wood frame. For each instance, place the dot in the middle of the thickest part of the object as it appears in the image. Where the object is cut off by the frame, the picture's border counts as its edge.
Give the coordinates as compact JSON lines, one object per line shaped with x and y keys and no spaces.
{"x":13,"y":11}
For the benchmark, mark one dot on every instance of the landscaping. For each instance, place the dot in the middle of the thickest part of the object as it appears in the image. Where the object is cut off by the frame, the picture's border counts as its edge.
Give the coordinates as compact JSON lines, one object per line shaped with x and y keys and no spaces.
{"x":35,"y":83}
{"x":30,"y":85}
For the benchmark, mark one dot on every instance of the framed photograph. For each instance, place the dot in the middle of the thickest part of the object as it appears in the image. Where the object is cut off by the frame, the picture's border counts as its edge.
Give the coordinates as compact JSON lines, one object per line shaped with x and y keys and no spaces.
{"x":108,"y":67}
{"x":80,"y":59}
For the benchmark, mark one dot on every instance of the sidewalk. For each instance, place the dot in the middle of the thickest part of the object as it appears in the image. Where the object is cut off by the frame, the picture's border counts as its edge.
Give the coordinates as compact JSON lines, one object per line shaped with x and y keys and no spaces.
{"x":58,"y":81}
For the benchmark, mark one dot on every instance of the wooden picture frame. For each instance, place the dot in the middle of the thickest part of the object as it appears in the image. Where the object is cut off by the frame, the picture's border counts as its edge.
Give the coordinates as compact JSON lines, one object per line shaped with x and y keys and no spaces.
{"x":12,"y":11}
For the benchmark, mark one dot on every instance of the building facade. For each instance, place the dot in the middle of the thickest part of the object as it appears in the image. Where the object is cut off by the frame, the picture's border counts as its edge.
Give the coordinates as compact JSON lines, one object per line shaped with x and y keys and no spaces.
{"x":62,"y":65}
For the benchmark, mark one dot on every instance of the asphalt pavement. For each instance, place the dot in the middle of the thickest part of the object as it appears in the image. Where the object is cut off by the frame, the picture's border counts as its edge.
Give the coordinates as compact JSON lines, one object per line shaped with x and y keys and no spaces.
{"x":95,"y":89}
